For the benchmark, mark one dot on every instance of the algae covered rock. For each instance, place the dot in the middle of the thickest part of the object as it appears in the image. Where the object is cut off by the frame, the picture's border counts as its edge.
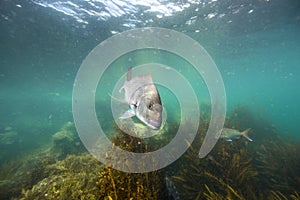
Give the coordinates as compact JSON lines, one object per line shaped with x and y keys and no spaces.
{"x":66,"y":141}
{"x":10,"y":137}
{"x":26,"y":171}
{"x":21,"y":173}
{"x":72,"y":178}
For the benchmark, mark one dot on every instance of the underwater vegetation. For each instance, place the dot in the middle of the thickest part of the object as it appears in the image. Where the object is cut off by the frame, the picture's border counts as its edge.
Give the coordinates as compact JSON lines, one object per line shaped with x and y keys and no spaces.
{"x":65,"y":142}
{"x":24,"y":171}
{"x":114,"y":184}
{"x":71,"y":178}
{"x":64,"y":171}
{"x":267,"y":168}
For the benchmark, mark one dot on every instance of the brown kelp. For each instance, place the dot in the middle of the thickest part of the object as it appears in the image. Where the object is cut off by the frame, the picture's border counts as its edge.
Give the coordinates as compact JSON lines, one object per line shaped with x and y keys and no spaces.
{"x":22,"y":172}
{"x":27,"y":170}
{"x":84,"y":177}
{"x":72,"y":178}
{"x":267,"y":168}
{"x":114,"y":184}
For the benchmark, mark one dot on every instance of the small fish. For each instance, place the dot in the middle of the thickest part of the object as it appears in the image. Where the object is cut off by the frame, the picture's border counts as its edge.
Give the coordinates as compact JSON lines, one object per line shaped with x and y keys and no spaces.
{"x":171,"y":189}
{"x":229,"y":134}
{"x":143,"y":99}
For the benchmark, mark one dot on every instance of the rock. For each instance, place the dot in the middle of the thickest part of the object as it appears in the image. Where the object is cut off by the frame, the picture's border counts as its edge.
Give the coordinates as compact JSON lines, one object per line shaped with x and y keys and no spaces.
{"x":65,"y":141}
{"x":9,"y":138}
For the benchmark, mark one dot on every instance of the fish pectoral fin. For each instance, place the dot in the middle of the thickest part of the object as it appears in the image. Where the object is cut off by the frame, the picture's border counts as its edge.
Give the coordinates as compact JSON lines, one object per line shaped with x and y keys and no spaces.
{"x":117,"y":99}
{"x":218,"y":134}
{"x":121,"y":89}
{"x":127,"y":114}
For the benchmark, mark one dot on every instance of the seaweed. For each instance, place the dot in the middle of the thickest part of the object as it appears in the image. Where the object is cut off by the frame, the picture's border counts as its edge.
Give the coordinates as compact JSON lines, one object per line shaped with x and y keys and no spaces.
{"x":22,"y":172}
{"x":83,"y":177}
{"x":27,"y":170}
{"x":267,"y":168}
{"x":278,"y":163}
{"x":295,"y":196}
{"x":114,"y":184}
{"x":65,"y":142}
{"x":72,"y":178}
{"x":210,"y":195}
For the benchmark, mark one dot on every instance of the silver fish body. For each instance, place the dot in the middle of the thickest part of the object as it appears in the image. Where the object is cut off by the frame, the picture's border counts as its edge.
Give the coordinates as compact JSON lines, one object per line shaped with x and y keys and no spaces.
{"x":229,"y":134}
{"x":143,"y":99}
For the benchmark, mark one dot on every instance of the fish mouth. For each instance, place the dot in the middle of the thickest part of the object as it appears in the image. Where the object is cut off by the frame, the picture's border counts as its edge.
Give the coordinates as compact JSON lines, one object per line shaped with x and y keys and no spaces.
{"x":154,"y":124}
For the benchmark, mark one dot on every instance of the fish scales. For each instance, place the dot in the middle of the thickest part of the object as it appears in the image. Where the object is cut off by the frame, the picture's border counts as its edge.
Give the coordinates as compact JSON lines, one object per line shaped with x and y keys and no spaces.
{"x":143,"y":99}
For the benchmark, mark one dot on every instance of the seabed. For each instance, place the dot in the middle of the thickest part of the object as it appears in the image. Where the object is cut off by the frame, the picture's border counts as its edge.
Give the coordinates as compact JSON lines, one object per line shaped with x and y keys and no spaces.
{"x":267,"y":168}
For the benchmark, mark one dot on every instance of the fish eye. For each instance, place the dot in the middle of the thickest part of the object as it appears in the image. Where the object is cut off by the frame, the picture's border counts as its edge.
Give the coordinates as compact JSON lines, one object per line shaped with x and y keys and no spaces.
{"x":150,"y":105}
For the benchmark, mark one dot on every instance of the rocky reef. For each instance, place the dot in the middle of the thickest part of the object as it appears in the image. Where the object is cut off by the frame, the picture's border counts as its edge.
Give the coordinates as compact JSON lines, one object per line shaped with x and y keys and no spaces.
{"x":27,"y":170}
{"x":267,"y":168}
{"x":84,"y":177}
{"x":71,"y":178}
{"x":65,"y":142}
{"x":114,"y":184}
{"x":10,"y":141}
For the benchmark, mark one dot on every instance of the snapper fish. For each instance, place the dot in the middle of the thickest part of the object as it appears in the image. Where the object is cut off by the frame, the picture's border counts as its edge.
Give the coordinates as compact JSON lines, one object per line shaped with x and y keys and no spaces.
{"x":143,"y":99}
{"x":229,"y":134}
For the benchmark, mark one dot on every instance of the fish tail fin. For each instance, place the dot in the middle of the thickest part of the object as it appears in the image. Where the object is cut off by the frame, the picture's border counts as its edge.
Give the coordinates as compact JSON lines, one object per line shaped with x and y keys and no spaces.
{"x":128,"y":76}
{"x":245,"y":134}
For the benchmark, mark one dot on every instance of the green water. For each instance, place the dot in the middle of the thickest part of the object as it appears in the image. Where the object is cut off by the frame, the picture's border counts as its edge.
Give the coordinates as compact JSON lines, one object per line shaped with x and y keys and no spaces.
{"x":255,"y":45}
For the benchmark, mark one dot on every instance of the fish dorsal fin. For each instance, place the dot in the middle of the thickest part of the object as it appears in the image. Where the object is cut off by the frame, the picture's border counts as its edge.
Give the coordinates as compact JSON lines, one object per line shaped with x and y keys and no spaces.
{"x":143,"y":79}
{"x":148,"y":77}
{"x":135,"y":85}
{"x":128,"y":75}
{"x":117,"y":99}
{"x":138,"y":82}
